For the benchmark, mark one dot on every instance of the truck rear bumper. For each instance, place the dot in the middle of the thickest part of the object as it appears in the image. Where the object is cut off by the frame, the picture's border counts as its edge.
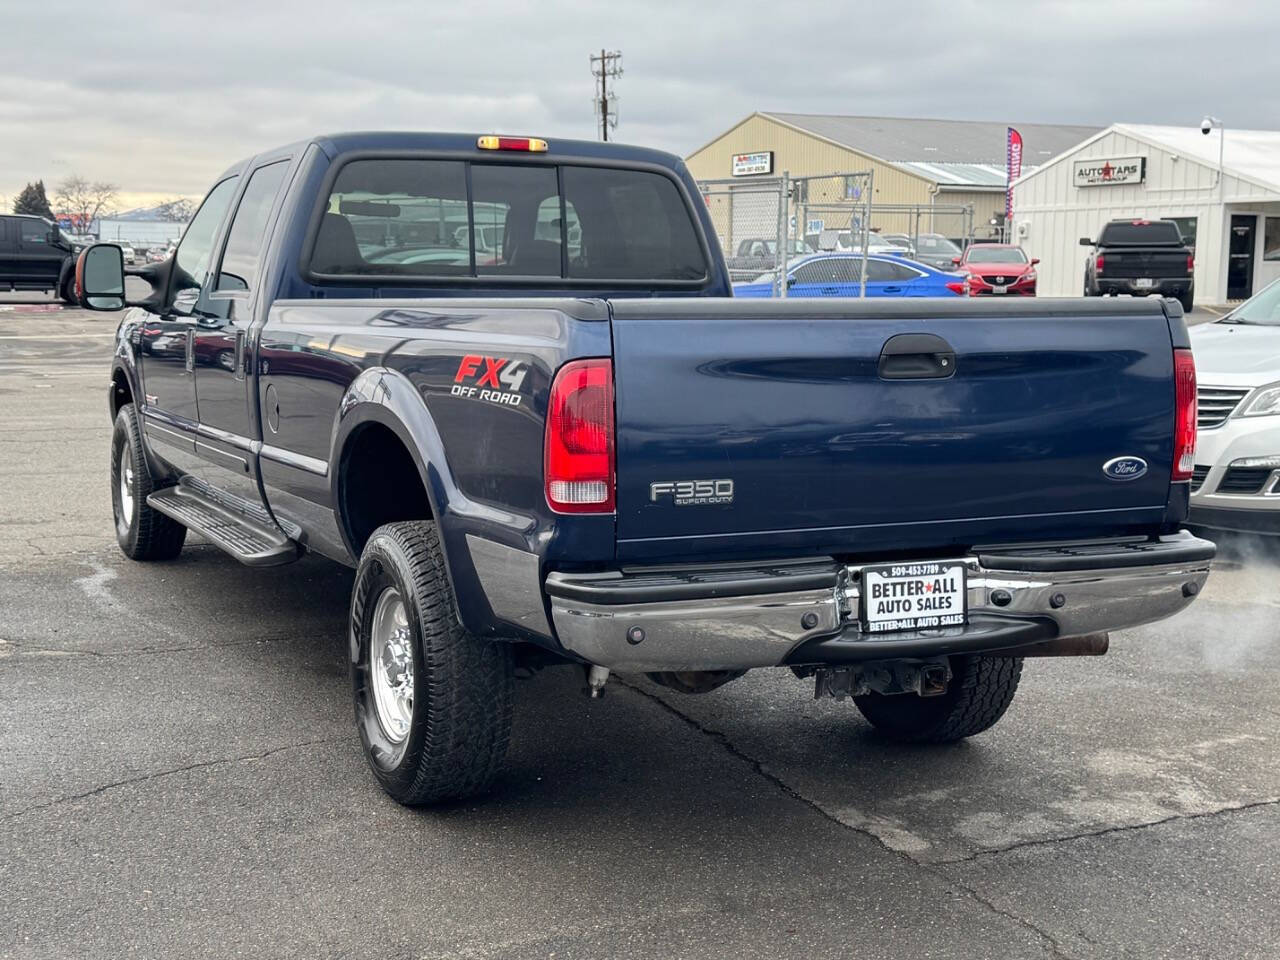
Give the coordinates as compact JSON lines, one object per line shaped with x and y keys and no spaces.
{"x":737,"y":617}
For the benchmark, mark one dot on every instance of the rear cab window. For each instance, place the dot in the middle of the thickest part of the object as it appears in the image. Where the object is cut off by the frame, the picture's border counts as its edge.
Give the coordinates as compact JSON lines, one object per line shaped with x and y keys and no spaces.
{"x":439,"y":220}
{"x":1140,"y":232}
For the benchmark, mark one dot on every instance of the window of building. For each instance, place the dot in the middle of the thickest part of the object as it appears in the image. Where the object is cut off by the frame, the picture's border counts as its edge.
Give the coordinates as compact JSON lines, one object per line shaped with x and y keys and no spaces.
{"x":1186,"y":227}
{"x":1271,"y":239}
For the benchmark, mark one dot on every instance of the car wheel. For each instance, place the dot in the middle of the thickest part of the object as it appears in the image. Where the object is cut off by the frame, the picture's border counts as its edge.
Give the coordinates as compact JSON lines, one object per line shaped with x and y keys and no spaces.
{"x":142,"y":532}
{"x":1187,"y":300}
{"x":432,"y":701}
{"x":68,"y":291}
{"x":980,"y":691}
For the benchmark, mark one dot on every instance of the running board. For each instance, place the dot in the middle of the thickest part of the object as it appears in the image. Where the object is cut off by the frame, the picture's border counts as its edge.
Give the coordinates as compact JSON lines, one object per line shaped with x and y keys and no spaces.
{"x":250,"y":542}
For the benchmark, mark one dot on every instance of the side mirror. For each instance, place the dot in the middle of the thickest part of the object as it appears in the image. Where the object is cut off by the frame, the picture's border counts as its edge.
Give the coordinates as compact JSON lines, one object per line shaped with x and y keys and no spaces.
{"x":100,"y":277}
{"x":791,"y":282}
{"x":1034,"y":261}
{"x":956,"y":261}
{"x":1086,"y":242}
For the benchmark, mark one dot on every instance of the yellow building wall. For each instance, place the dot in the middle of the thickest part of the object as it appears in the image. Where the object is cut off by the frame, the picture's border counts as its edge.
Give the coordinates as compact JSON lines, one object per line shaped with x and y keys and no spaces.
{"x":802,"y":154}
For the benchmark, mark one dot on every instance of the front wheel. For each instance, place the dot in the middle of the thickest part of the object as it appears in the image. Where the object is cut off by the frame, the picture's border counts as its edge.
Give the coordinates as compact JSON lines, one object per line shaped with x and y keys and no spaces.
{"x":67,"y":292}
{"x":979,"y":693}
{"x":432,"y":702}
{"x":142,"y":532}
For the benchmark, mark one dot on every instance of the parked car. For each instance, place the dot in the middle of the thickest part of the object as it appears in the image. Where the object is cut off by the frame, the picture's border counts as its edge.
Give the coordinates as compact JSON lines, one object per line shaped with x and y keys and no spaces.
{"x":937,"y":251}
{"x":127,"y":251}
{"x":756,"y":256}
{"x":35,"y":255}
{"x":602,"y":461}
{"x":840,"y":275}
{"x":901,"y":241}
{"x":1236,"y":485}
{"x":160,"y":254}
{"x":998,"y":269}
{"x":1140,"y":257}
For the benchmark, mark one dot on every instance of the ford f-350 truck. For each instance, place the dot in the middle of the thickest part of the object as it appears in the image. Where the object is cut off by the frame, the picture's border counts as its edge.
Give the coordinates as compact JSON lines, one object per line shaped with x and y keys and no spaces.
{"x":569,"y":444}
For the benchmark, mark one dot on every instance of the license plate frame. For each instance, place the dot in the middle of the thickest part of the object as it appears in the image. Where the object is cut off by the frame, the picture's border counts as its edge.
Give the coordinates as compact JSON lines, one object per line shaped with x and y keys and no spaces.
{"x":1143,"y":283}
{"x":906,"y":613}
{"x":999,"y":288}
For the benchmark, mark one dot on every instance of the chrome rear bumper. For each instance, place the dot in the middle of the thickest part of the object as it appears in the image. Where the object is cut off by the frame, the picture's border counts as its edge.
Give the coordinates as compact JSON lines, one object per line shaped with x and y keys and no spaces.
{"x":733,"y":618}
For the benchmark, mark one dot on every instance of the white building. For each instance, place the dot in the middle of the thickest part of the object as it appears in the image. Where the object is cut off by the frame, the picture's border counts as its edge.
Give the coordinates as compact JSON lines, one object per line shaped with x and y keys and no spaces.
{"x":1231,"y":216}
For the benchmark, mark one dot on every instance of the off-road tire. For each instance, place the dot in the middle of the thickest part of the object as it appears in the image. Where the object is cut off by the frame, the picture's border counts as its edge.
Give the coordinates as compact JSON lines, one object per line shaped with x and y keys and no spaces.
{"x":67,"y":292}
{"x":1187,"y":300}
{"x":145,"y":533}
{"x":979,"y":693}
{"x":462,"y":685}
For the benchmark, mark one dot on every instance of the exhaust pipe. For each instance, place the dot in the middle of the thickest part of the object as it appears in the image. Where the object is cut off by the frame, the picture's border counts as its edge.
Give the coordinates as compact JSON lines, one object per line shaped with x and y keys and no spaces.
{"x":1090,"y":645}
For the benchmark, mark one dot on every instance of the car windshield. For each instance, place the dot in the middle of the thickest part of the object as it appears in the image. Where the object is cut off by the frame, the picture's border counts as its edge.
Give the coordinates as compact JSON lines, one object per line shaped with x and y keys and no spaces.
{"x":938,"y":246}
{"x":981,"y":254}
{"x":1263,"y":310}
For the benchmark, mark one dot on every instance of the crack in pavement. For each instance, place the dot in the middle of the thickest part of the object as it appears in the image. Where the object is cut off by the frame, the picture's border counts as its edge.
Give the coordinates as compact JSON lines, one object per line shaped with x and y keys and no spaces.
{"x":1107,"y":831}
{"x":27,"y":648}
{"x":1054,"y":948}
{"x":159,"y":774}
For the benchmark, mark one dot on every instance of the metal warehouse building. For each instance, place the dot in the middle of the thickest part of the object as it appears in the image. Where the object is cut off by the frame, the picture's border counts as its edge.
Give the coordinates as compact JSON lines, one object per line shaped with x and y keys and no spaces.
{"x":1229,"y":213}
{"x":914,"y":161}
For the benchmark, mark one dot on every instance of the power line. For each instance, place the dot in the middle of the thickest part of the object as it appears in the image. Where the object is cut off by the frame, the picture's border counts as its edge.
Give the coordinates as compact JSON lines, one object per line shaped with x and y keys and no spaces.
{"x":607,"y":64}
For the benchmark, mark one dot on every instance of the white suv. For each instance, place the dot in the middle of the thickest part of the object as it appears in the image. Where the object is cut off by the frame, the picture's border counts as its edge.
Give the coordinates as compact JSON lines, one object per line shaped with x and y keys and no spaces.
{"x":1237,"y":477}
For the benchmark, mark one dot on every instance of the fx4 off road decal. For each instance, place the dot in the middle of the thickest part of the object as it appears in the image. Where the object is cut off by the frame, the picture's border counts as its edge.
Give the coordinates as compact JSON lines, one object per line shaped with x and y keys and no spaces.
{"x":493,"y":379}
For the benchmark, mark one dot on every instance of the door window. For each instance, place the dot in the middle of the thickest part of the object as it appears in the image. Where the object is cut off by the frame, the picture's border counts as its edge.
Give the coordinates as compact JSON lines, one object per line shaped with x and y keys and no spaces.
{"x":35,"y":232}
{"x":191,"y":262}
{"x":249,"y":228}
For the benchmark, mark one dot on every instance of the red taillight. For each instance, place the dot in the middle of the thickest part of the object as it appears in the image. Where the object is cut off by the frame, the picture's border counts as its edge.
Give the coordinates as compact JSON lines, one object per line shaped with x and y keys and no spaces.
{"x":1191,"y":262}
{"x":1184,"y":432}
{"x":578,"y":463}
{"x":960,"y":287}
{"x":1098,"y":262}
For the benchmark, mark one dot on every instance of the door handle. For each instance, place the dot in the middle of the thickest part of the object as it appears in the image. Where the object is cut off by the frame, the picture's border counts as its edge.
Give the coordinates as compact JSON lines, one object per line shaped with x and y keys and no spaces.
{"x":239,"y":371}
{"x":917,"y":356}
{"x":831,"y":290}
{"x":892,"y":289}
{"x":191,"y":351}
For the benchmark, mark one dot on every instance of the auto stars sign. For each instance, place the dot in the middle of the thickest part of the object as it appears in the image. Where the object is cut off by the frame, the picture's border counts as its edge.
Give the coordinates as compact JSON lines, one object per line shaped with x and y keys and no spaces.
{"x":1109,"y":171}
{"x":752,"y":164}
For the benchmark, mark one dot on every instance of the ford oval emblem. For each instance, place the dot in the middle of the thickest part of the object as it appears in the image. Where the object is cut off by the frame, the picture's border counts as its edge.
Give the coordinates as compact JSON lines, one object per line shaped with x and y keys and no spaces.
{"x":1125,"y":468}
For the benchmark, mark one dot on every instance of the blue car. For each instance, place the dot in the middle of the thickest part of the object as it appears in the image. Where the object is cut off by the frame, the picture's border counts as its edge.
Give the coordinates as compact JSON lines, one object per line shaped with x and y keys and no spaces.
{"x":840,"y":275}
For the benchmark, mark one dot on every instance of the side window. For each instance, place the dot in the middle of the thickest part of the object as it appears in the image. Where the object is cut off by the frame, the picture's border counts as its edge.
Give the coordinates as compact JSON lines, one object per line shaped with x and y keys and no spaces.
{"x":248,"y":229}
{"x":191,"y":262}
{"x":34,"y":232}
{"x":878,"y":271}
{"x":847,"y":269}
{"x":815,"y":271}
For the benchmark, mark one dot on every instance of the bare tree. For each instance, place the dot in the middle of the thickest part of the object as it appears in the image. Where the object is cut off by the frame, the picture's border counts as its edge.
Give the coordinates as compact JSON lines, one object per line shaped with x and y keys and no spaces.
{"x":177,"y":210}
{"x":82,"y":201}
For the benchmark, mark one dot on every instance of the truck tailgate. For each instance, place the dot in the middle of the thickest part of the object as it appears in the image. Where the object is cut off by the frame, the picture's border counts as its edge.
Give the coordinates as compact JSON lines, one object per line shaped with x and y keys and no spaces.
{"x":808,"y":449}
{"x":1154,"y":263}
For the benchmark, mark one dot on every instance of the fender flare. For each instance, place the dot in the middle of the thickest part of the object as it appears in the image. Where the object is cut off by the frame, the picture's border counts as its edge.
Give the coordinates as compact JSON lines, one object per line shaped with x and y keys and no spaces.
{"x":383,"y":396}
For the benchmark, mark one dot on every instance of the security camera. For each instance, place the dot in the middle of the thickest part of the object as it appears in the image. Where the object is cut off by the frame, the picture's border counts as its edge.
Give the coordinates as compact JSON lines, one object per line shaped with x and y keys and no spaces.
{"x":1206,"y":125}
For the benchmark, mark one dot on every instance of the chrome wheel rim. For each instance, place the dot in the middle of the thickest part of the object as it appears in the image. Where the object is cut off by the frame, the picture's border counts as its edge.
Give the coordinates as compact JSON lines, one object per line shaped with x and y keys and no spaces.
{"x":126,"y":489}
{"x":391,"y":666}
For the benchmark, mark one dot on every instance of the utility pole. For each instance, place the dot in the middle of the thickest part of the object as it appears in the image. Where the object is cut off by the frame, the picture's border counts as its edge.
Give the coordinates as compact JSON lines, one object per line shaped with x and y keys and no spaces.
{"x":607,"y":64}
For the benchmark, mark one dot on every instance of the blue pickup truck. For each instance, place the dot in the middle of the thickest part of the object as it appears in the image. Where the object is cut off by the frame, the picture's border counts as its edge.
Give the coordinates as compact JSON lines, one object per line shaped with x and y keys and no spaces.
{"x":504,"y":379}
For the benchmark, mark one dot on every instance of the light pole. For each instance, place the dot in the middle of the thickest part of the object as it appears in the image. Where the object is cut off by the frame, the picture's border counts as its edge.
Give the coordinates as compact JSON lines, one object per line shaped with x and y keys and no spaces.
{"x":1207,"y":124}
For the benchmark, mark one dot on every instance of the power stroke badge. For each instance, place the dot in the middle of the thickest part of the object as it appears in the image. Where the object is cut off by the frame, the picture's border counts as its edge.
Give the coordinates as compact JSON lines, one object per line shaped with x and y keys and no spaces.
{"x":692,"y":493}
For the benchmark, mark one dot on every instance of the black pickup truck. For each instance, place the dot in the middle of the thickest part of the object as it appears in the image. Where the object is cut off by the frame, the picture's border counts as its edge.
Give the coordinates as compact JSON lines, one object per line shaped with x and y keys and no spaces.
{"x":505,"y":381}
{"x":1140,"y":257}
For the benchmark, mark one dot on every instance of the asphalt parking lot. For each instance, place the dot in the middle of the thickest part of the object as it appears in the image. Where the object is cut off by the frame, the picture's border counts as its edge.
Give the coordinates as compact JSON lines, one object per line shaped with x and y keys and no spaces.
{"x":179,"y":774}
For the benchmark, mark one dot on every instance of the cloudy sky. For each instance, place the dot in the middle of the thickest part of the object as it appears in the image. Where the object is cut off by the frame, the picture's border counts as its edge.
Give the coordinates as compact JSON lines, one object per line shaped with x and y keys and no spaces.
{"x":159,"y":97}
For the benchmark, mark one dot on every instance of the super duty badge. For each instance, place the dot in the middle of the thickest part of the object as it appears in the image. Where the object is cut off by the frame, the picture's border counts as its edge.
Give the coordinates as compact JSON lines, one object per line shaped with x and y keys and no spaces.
{"x":692,"y":493}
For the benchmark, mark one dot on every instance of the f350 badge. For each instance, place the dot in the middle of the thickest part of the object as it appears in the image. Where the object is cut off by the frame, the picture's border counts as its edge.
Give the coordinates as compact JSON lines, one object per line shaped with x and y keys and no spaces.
{"x":692,"y":493}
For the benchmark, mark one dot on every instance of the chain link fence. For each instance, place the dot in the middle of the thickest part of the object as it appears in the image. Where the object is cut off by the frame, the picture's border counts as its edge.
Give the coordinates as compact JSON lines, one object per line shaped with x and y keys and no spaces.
{"x":765,"y":223}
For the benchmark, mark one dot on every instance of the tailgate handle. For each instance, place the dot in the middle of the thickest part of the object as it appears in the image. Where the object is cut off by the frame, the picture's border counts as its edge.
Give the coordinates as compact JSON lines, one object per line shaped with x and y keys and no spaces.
{"x":917,"y":356}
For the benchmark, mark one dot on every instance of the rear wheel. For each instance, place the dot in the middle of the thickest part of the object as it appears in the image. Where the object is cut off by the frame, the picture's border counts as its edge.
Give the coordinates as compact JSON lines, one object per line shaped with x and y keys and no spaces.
{"x":432,"y":702}
{"x":1187,"y":300}
{"x":979,"y":693}
{"x":142,"y":532}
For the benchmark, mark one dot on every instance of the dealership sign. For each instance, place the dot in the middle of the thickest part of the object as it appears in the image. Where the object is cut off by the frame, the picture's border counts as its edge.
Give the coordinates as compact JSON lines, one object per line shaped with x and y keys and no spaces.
{"x":1109,"y":172}
{"x":750,"y":164}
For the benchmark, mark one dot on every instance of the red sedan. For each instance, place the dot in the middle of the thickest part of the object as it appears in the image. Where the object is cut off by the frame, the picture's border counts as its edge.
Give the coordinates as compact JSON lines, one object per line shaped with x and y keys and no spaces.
{"x":998,"y":269}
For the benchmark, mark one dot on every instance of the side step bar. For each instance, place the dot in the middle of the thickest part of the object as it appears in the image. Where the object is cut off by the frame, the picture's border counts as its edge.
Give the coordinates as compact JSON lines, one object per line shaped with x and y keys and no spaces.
{"x":250,"y":542}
